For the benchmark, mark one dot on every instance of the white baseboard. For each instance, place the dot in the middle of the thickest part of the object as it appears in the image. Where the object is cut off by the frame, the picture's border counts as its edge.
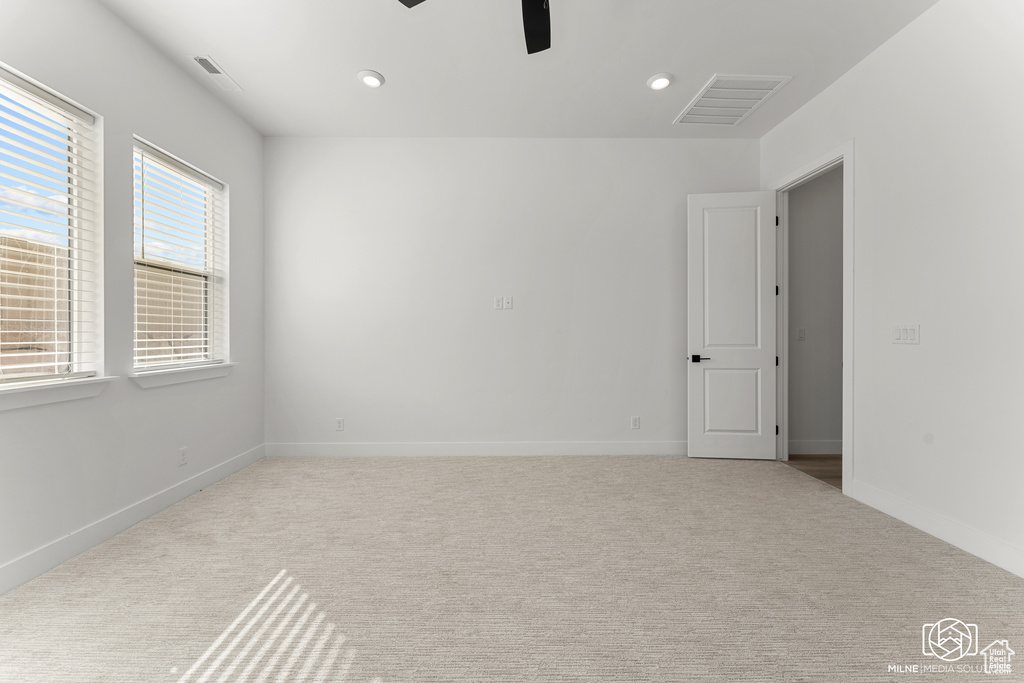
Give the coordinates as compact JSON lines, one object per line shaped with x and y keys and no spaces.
{"x":42,"y":560}
{"x":815,"y":446}
{"x":999,"y":553}
{"x":328,"y":450}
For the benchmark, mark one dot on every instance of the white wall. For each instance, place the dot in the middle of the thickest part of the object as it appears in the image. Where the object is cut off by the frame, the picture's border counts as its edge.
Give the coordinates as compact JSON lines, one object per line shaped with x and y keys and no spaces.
{"x":383,"y":259}
{"x":816,"y":306}
{"x":72,"y":474}
{"x":938,"y":241}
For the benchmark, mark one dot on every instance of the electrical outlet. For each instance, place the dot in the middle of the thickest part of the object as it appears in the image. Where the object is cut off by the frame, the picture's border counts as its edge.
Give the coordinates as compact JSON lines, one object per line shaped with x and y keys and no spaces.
{"x":339,"y":424}
{"x":508,"y":302}
{"x":634,"y":422}
{"x":183,"y":456}
{"x":499,"y":303}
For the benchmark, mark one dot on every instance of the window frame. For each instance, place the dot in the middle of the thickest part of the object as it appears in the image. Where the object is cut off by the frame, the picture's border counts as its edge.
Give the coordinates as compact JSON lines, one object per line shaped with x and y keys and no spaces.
{"x":43,"y":108}
{"x":214,"y":274}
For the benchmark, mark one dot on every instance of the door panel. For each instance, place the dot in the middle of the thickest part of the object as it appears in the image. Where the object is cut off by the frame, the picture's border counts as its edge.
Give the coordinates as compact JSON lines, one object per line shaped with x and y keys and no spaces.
{"x":731,"y":325}
{"x":731,"y":401}
{"x":730,"y":278}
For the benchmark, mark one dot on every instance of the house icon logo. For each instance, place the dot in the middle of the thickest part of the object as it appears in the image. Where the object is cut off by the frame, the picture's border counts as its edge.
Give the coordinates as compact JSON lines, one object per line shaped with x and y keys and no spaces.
{"x":997,"y":657}
{"x":949,"y":639}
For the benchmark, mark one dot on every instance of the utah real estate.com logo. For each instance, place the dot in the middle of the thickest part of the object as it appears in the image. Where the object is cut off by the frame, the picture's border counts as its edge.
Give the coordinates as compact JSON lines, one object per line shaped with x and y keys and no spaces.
{"x":952,"y":640}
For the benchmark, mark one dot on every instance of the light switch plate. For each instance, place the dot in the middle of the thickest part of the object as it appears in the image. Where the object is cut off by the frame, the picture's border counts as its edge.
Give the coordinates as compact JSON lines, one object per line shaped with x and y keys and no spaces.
{"x":906,"y":334}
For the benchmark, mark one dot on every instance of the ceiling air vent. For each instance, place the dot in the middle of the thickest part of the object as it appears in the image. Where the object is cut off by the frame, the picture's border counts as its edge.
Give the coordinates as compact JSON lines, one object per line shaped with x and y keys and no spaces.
{"x":217,"y":74}
{"x":727,"y":100}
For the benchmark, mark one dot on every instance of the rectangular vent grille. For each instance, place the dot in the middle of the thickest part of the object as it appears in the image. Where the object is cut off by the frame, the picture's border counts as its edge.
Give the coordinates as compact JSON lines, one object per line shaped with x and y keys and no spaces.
{"x":217,"y":74}
{"x":727,"y":100}
{"x":208,"y":65}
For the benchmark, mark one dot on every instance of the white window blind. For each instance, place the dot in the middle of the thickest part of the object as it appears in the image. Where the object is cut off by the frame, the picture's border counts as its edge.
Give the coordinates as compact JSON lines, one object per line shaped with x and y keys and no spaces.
{"x":180,"y":263}
{"x":49,"y":235}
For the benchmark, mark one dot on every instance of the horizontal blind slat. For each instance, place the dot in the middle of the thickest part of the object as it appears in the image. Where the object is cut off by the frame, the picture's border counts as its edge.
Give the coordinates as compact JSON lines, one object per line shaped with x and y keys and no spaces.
{"x":17,"y":123}
{"x":33,"y":192}
{"x":80,"y":194}
{"x":169,"y":232}
{"x":74,"y":181}
{"x":55,"y":212}
{"x":47,"y":157}
{"x":53,"y":145}
{"x":191,"y":193}
{"x":159,"y":159}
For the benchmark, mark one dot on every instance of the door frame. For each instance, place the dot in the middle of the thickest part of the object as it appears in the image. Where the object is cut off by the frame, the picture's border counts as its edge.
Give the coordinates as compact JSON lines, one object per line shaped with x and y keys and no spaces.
{"x":840,"y":156}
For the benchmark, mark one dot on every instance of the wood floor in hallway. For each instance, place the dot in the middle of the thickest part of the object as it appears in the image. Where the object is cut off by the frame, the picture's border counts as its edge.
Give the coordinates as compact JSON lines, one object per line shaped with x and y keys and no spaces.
{"x":827,"y":468}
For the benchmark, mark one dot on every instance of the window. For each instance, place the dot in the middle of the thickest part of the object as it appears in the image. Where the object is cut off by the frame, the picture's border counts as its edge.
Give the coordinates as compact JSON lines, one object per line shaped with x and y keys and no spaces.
{"x":180,"y":273}
{"x":49,"y":235}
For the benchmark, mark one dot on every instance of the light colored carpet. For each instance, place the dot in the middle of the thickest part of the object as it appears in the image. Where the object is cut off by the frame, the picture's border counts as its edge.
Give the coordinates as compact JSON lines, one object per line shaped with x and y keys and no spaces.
{"x":509,"y":569}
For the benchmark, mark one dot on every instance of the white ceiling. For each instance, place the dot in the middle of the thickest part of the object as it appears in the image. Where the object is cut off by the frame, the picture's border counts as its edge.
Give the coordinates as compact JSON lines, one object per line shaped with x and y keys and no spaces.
{"x":459,"y":67}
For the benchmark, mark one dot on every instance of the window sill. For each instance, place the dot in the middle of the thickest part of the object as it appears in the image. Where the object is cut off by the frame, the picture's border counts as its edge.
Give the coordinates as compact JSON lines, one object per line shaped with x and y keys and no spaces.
{"x":27,"y":395}
{"x":148,"y":379}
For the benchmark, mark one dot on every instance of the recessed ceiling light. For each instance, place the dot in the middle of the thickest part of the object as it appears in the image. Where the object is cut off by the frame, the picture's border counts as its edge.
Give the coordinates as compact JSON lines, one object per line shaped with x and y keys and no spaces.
{"x":659,"y":81}
{"x":371,"y":79}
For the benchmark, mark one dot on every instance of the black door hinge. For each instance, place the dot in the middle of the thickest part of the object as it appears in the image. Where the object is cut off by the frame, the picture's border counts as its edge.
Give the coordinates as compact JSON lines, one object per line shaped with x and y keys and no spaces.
{"x":776,"y":290}
{"x":776,"y":430}
{"x":776,"y":361}
{"x":776,"y":221}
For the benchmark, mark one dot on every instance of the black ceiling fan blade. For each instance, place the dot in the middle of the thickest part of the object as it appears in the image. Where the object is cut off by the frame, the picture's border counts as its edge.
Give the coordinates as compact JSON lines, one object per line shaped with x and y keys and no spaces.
{"x":410,"y":3}
{"x":536,"y":25}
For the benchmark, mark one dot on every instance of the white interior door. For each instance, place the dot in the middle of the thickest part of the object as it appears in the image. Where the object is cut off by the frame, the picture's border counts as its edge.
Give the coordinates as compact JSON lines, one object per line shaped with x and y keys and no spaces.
{"x":731,"y":325}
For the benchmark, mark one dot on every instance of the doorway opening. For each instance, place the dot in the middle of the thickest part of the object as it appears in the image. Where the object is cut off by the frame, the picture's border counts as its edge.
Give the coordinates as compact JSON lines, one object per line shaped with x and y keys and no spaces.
{"x":815,"y":302}
{"x":815,"y":330}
